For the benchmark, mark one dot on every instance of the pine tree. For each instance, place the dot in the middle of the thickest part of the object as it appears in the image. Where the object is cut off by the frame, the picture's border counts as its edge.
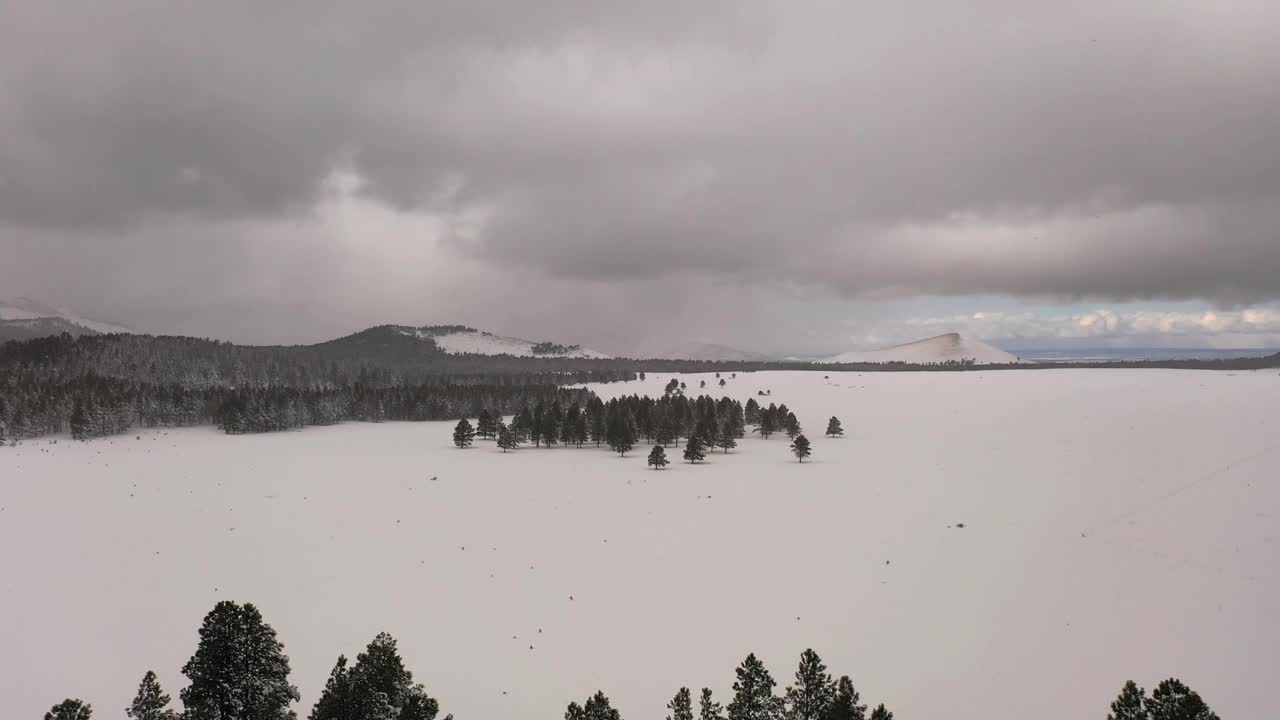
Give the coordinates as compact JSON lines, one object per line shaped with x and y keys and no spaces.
{"x":486,"y":426}
{"x":336,"y":700}
{"x":658,"y":457}
{"x":1172,"y":700}
{"x":693,"y":451}
{"x":833,"y":427}
{"x":507,"y":440}
{"x":239,"y":670}
{"x":800,"y":448}
{"x":753,"y":697}
{"x":725,"y":440}
{"x":596,"y":708}
{"x":70,"y":710}
{"x":1130,"y":705}
{"x":813,"y":693}
{"x":881,"y":713}
{"x":463,"y":434}
{"x":792,"y":426}
{"x":752,"y":412}
{"x":151,"y":702}
{"x":681,"y":706}
{"x":709,"y":709}
{"x":376,"y":686}
{"x":844,"y":706}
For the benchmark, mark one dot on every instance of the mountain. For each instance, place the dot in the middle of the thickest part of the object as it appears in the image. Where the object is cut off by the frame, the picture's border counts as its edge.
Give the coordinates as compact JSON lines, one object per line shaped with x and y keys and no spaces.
{"x":462,"y":340}
{"x":708,"y":352}
{"x":24,"y":319}
{"x":951,"y":347}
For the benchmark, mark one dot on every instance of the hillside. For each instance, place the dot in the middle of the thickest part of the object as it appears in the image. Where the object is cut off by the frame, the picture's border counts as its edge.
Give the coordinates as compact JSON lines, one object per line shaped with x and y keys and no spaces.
{"x":461,"y":340}
{"x":951,"y":347}
{"x":25,"y":319}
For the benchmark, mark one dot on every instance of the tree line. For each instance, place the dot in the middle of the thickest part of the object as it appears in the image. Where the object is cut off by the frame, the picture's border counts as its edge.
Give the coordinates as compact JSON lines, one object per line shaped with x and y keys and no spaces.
{"x":239,"y":671}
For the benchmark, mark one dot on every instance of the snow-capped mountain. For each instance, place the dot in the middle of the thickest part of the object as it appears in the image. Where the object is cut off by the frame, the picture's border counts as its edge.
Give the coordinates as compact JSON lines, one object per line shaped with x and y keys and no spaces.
{"x":951,"y":347}
{"x":458,"y":340}
{"x":24,"y":318}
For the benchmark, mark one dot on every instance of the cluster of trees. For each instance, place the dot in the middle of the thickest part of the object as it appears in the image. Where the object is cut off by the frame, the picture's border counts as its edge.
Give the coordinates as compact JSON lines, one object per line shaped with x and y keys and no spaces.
{"x":618,"y":424}
{"x":1171,"y":700}
{"x":239,"y":672}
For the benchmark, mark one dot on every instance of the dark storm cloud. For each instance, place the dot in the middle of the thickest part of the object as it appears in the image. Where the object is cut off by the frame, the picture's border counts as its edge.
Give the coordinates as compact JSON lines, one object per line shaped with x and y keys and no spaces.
{"x":1090,"y":149}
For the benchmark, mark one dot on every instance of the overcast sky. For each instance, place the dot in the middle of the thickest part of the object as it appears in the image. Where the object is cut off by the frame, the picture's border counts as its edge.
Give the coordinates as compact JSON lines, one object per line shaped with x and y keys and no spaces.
{"x":781,"y":176}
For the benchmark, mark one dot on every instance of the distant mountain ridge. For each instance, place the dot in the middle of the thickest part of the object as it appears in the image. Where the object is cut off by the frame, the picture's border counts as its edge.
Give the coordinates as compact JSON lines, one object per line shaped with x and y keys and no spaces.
{"x":950,"y":347}
{"x":463,"y":340}
{"x":24,"y":319}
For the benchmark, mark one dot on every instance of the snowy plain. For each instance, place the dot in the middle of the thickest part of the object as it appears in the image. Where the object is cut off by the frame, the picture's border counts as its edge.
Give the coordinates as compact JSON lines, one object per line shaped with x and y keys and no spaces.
{"x":1118,"y":524}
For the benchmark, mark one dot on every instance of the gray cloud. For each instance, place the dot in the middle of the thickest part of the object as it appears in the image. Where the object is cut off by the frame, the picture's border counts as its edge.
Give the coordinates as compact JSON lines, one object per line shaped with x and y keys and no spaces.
{"x":150,"y":151}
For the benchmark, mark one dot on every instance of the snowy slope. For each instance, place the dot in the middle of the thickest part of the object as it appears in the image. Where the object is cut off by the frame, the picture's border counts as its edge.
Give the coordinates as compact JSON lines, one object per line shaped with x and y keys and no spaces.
{"x":705,"y":351}
{"x":1119,"y":524}
{"x":15,"y":310}
{"x":943,"y":348}
{"x":459,"y":341}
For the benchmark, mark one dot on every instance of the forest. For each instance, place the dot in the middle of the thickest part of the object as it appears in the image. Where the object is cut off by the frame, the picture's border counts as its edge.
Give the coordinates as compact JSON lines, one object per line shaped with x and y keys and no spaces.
{"x":239,"y":671}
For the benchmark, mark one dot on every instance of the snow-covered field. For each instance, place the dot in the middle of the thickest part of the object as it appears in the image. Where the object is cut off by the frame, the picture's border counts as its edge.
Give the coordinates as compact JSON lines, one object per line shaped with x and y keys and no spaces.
{"x":1118,"y":524}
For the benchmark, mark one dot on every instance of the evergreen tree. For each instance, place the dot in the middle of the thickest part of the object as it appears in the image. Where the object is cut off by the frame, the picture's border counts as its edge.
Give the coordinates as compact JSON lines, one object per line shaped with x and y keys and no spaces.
{"x":463,"y":434}
{"x":726,"y":441}
{"x":792,"y":426}
{"x":377,"y":686}
{"x":658,"y":457}
{"x":239,"y":670}
{"x":1172,"y":700}
{"x":681,"y":706}
{"x":813,"y":693}
{"x":596,"y":708}
{"x":881,"y":713}
{"x":753,"y":697}
{"x":693,"y":451}
{"x":70,"y":710}
{"x":580,"y":429}
{"x":833,"y":427}
{"x":151,"y":702}
{"x":1130,"y":705}
{"x":722,"y":382}
{"x":844,"y":705}
{"x":800,"y":448}
{"x":507,"y":440}
{"x":486,"y":424}
{"x":599,"y":430}
{"x":752,"y":413}
{"x":709,"y":709}
{"x":337,"y":699}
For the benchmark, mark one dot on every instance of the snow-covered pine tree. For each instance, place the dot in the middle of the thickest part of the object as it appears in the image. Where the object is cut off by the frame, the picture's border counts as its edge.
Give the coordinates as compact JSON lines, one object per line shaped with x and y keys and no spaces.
{"x":151,"y":702}
{"x":239,"y":670}
{"x":70,"y":710}
{"x":753,"y":697}
{"x":486,"y":427}
{"x":1172,"y":700}
{"x":377,"y":686}
{"x":1130,"y":705}
{"x":833,"y":427}
{"x":844,"y":706}
{"x":751,"y":414}
{"x":813,"y":693}
{"x":597,"y":707}
{"x":726,"y":441}
{"x":463,"y":434}
{"x":800,"y":448}
{"x":881,"y":713}
{"x":693,"y":451}
{"x":709,"y":709}
{"x":792,"y":426}
{"x":658,"y":457}
{"x":507,"y":440}
{"x":681,"y":706}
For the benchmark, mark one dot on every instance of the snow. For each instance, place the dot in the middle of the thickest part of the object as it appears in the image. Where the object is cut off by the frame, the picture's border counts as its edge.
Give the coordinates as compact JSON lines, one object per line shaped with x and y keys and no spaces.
{"x":705,"y":351}
{"x":483,"y":343}
{"x":1118,"y":524}
{"x":951,"y":346}
{"x":28,"y":309}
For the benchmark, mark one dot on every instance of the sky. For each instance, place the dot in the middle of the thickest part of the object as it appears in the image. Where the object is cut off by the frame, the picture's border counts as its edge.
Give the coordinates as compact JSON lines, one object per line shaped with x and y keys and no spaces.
{"x":802,"y":176}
